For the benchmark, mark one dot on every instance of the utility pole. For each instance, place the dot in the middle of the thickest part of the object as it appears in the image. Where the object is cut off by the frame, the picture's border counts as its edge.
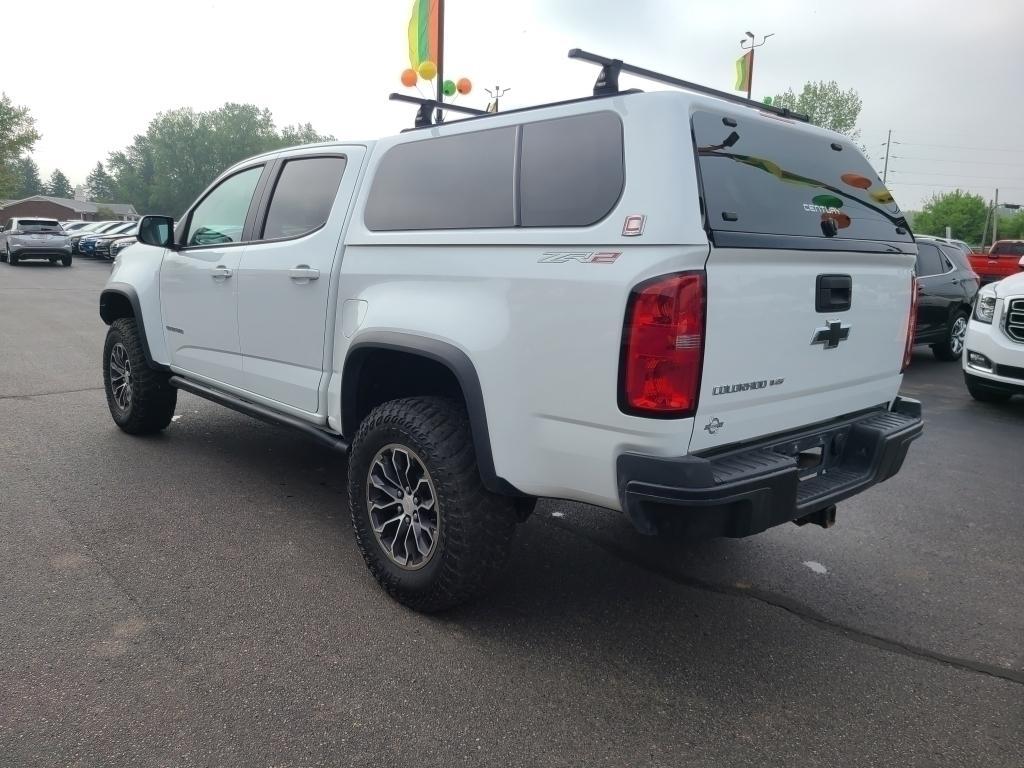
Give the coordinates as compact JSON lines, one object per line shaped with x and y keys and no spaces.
{"x":749,"y":43}
{"x":496,"y":94}
{"x":885,"y":170}
{"x":995,"y":218}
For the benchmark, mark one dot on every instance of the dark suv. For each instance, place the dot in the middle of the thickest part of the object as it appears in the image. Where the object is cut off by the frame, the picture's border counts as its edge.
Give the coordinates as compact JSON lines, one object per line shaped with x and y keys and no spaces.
{"x":946,"y":285}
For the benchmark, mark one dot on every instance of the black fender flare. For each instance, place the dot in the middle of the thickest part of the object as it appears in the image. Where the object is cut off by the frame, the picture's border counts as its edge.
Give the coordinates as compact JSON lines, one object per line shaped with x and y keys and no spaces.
{"x":452,"y":358}
{"x":125,"y":291}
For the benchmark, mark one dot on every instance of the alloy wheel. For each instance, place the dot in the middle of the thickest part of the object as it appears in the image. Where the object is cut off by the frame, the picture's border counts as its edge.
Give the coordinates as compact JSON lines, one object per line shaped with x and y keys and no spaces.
{"x":121,"y":376}
{"x":402,"y":504}
{"x":957,"y":335}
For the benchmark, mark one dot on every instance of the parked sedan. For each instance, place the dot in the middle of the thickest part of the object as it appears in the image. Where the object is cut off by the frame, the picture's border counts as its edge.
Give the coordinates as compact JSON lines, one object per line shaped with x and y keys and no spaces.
{"x":34,"y":238}
{"x":76,"y":226}
{"x":102,"y":243}
{"x":105,"y":228}
{"x":120,"y":244}
{"x":946,"y":287}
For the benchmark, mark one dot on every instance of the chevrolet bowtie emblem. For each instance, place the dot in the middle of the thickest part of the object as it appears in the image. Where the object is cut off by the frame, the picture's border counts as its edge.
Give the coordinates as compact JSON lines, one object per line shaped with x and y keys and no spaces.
{"x":830,"y":336}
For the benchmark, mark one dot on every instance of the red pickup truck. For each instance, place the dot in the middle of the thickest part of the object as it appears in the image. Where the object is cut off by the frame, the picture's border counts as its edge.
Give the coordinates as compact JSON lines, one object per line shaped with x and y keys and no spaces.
{"x":1002,"y":260}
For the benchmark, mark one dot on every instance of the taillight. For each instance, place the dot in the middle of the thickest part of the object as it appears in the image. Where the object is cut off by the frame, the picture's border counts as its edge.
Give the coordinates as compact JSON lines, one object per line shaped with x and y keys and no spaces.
{"x":911,"y":324}
{"x":663,"y":346}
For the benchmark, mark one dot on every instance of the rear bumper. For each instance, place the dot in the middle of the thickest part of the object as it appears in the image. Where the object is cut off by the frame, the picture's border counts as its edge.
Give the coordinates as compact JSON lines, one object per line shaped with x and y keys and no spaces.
{"x":40,"y":253}
{"x":750,"y":489}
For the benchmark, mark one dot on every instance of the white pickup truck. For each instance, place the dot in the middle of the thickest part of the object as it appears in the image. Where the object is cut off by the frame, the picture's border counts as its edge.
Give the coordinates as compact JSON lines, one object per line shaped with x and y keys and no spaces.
{"x":680,"y":305}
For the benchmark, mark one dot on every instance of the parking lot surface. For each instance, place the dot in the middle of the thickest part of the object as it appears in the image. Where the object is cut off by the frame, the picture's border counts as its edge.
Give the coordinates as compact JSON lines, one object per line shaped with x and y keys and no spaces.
{"x":196,"y":599}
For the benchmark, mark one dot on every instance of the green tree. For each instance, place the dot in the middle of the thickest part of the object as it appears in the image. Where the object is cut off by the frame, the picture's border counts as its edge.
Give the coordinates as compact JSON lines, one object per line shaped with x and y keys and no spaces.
{"x":58,"y":185}
{"x":962,"y":212}
{"x":103,"y":213}
{"x":826,"y":105}
{"x":100,"y":185}
{"x":1010,"y":227}
{"x":182,"y":151}
{"x":17,"y":137}
{"x":294,"y":135}
{"x":28,"y":181}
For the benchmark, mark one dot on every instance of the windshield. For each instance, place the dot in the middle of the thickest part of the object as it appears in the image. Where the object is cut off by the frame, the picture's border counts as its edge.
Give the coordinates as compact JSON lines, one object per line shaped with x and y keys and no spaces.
{"x":767,"y":176}
{"x":39,"y":225}
{"x":1008,"y":248}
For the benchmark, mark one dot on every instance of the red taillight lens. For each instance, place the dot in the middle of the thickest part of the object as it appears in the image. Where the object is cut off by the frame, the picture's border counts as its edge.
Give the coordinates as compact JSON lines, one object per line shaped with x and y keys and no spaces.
{"x":911,"y":324}
{"x":663,"y":345}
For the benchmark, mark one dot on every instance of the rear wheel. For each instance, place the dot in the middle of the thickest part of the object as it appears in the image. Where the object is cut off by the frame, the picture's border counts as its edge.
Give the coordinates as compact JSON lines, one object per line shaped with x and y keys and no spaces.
{"x":140,"y":399}
{"x":430,"y":533}
{"x":952,"y":347}
{"x":11,"y":258}
{"x":983,"y":393}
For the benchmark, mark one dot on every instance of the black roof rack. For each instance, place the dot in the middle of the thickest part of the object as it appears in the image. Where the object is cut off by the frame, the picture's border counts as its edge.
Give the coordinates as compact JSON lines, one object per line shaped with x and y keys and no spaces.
{"x":608,"y":83}
{"x":427,"y":106}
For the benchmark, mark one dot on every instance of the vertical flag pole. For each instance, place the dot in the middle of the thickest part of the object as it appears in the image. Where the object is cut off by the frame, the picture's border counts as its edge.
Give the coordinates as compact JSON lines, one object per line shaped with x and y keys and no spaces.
{"x":750,"y":74}
{"x":440,"y":50}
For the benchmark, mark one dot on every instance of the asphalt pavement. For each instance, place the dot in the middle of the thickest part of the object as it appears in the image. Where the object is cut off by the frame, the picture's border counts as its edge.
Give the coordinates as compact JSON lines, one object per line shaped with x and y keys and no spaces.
{"x":195,"y":599}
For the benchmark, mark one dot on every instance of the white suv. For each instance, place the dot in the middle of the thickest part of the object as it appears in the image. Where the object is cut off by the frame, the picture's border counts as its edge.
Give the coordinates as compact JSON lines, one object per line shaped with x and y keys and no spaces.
{"x":679,"y":305}
{"x":994,"y":348}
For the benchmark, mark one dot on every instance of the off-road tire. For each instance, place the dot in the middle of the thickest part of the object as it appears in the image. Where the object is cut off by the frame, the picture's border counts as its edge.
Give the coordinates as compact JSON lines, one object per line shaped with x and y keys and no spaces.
{"x":945,"y":349}
{"x":153,"y":399}
{"x":984,"y":394}
{"x":474,"y":527}
{"x":65,"y":260}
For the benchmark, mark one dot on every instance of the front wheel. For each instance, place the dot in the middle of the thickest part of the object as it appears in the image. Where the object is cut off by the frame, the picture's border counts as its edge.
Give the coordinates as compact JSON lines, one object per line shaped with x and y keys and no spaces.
{"x":983,"y":393}
{"x":952,"y":347}
{"x":140,"y":399}
{"x":430,"y":533}
{"x":65,"y":260}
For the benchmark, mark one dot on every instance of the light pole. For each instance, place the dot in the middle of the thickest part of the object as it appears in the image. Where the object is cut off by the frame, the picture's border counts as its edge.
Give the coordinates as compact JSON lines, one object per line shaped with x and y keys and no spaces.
{"x":749,"y":43}
{"x":496,"y":94}
{"x":993,"y":214}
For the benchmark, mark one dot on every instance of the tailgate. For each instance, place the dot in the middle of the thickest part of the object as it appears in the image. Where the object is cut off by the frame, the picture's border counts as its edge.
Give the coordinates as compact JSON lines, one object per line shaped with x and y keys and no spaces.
{"x":773,"y":362}
{"x":808,"y":280}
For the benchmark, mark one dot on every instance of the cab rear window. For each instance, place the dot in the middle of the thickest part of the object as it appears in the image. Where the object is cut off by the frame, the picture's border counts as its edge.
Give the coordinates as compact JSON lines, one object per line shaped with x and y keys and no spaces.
{"x":762,"y":175}
{"x":1008,"y":249}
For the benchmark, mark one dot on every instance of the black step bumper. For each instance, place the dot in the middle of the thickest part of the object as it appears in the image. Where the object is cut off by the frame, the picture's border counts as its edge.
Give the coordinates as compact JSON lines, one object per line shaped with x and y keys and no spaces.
{"x":749,"y":489}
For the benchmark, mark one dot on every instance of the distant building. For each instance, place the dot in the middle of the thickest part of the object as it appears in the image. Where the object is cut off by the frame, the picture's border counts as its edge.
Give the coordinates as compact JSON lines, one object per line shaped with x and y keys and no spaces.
{"x":63,"y":209}
{"x":81,"y":193}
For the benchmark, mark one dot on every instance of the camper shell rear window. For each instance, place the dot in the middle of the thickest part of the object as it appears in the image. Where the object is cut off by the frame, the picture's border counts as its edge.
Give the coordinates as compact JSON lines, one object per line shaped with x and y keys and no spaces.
{"x":765,"y":175}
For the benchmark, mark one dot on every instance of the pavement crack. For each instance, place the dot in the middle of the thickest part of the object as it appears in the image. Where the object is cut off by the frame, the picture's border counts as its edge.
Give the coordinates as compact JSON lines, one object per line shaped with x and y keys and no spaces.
{"x":30,"y":395}
{"x":798,"y":609}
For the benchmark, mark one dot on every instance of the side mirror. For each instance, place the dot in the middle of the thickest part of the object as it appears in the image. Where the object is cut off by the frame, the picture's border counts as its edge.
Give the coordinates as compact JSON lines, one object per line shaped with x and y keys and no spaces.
{"x":157,"y":230}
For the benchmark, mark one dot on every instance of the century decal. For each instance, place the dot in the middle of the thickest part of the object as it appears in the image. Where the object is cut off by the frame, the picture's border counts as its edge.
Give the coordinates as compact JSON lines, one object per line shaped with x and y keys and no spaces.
{"x":812,"y":208}
{"x":746,"y":386}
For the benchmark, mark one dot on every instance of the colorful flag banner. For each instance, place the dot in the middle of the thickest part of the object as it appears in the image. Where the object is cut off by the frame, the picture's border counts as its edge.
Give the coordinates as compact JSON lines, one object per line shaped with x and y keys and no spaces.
{"x":743,"y":68}
{"x":423,"y":33}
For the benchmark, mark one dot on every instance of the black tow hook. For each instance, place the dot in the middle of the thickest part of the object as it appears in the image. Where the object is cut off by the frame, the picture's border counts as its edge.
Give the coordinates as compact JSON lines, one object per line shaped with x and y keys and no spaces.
{"x":826,"y":517}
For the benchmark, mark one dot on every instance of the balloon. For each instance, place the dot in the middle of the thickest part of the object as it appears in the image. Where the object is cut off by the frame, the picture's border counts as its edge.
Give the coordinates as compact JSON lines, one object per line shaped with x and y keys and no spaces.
{"x":448,"y":89}
{"x":464,"y":86}
{"x":856,"y":180}
{"x":428,"y":70}
{"x":409,"y":78}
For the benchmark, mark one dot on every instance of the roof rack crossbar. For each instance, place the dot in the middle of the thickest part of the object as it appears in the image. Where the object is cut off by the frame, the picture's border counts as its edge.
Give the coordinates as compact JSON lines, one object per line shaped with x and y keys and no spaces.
{"x":427,"y":106}
{"x":608,"y":82}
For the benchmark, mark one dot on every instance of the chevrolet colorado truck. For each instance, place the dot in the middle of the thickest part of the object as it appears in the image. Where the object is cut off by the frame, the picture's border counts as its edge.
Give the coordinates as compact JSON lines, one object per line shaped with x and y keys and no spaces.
{"x":676,"y":304}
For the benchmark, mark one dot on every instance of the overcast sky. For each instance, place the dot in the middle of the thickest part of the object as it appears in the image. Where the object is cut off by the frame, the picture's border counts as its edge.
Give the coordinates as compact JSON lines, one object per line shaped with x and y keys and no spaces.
{"x":947,"y":76}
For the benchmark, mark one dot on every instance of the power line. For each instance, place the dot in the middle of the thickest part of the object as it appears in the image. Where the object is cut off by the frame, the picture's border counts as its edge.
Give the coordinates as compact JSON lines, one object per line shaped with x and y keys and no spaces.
{"x":962,"y":162}
{"x":950,"y":146}
{"x":957,"y":175}
{"x":951,"y":186}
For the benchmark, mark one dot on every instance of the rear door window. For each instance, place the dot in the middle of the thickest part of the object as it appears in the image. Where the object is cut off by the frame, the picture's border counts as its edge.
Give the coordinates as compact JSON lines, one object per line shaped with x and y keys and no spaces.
{"x":303,"y":196}
{"x":768,"y":176}
{"x":929,"y":260}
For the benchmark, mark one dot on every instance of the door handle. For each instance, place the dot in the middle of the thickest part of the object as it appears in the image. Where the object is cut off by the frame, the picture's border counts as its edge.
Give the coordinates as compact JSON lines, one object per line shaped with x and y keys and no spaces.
{"x":303,"y":273}
{"x":220,"y":272}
